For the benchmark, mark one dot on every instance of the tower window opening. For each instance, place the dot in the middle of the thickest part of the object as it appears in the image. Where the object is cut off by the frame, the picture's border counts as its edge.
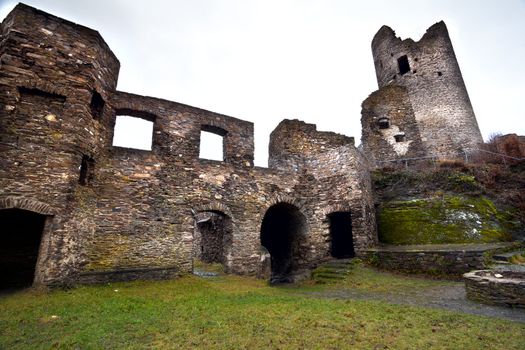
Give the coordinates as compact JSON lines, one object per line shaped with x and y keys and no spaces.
{"x":404,"y":66}
{"x":383,"y":123}
{"x":440,"y":74}
{"x":400,"y":137}
{"x":96,"y":105}
{"x":87,"y":170}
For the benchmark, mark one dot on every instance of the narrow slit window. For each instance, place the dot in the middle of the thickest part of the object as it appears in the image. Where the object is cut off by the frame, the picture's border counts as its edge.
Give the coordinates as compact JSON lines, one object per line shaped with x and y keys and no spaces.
{"x":97,"y":105}
{"x":404,"y":66}
{"x":384,"y":123}
{"x":133,"y":132}
{"x":87,"y":170}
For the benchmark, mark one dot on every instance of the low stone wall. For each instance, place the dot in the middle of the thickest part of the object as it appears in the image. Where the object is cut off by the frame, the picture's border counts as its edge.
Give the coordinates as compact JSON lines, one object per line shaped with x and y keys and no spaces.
{"x":451,"y":260}
{"x":94,"y":277}
{"x":495,"y":287}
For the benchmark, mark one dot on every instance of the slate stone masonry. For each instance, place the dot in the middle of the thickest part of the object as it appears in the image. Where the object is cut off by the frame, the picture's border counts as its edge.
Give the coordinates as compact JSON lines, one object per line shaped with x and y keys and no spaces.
{"x":433,"y":116}
{"x":115,"y":213}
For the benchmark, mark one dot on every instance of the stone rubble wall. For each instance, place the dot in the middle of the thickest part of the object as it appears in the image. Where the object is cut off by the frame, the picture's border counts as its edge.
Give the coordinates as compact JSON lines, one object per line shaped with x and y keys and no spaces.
{"x":379,"y":144}
{"x":49,"y":69}
{"x":453,"y":263}
{"x":133,"y":216}
{"x":508,"y":289}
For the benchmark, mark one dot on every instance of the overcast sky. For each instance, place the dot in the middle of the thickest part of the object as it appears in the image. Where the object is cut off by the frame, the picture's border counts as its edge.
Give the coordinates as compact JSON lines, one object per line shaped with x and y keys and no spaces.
{"x":267,"y":60}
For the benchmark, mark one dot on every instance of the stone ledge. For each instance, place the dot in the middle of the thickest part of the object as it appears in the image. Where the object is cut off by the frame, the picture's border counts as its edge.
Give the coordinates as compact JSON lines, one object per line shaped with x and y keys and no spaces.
{"x":451,"y":260}
{"x":496,"y":287}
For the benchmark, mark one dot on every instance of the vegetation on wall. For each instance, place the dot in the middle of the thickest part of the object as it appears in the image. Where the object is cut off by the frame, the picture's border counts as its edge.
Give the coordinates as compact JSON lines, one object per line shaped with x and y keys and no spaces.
{"x":450,"y":202}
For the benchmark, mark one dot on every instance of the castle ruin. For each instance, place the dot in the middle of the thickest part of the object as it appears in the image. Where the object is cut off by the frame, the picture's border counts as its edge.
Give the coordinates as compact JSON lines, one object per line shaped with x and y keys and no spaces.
{"x":422,"y":108}
{"x":76,"y":209}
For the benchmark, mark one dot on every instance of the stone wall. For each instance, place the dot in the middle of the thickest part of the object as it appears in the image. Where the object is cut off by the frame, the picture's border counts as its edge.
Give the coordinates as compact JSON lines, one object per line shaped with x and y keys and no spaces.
{"x":389,"y":128}
{"x":511,"y":145}
{"x":437,"y":260}
{"x":428,"y":69}
{"x":51,"y":70}
{"x":117,"y":213}
{"x":502,"y":287}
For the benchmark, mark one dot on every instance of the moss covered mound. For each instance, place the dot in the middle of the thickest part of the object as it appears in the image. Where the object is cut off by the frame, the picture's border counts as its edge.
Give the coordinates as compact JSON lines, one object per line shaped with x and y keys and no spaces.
{"x":446,"y":219}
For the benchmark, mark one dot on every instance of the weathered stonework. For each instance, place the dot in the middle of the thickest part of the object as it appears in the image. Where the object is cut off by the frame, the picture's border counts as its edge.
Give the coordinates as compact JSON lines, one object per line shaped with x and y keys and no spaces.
{"x":438,"y":260}
{"x":501,"y":287}
{"x":114,"y":213}
{"x":511,"y":145}
{"x":432,"y":115}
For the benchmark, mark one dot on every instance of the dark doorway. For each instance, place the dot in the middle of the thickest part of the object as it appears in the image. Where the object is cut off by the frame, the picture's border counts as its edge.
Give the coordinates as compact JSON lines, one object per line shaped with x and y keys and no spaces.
{"x":282,"y":230}
{"x":20,"y":236}
{"x":212,"y":237}
{"x":342,"y":245}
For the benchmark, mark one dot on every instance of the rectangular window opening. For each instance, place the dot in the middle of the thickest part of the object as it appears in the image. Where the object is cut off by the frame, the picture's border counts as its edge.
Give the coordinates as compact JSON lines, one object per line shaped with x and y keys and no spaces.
{"x":133,"y":132}
{"x":384,"y":123}
{"x":404,"y":66}
{"x":211,"y":146}
{"x":400,"y":137}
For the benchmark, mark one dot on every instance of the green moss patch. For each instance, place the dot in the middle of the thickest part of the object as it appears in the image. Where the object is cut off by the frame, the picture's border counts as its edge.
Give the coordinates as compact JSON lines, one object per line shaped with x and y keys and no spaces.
{"x":447,"y":219}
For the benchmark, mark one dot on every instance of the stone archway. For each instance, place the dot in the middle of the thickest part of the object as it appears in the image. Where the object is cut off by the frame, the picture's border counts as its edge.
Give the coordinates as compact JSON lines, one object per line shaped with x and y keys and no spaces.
{"x":282,"y":230}
{"x":24,"y":241}
{"x":20,"y":241}
{"x":212,"y":237}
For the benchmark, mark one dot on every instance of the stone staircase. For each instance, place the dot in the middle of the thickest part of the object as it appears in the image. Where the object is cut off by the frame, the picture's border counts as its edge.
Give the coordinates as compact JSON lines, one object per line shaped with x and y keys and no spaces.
{"x":504,"y":258}
{"x":332,"y":271}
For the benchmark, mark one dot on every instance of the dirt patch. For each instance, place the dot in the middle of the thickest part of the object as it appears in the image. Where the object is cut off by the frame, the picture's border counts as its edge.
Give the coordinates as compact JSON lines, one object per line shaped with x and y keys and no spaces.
{"x":450,"y":297}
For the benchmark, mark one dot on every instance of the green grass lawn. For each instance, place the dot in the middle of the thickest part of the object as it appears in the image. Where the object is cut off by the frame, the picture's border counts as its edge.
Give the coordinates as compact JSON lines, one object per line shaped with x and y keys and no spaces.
{"x":231,"y":312}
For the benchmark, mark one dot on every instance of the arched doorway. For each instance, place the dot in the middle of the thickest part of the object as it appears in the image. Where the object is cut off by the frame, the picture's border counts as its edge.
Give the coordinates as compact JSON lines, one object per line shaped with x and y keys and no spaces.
{"x":20,"y":237}
{"x":341,"y":239}
{"x":212,"y":238}
{"x":282,"y":230}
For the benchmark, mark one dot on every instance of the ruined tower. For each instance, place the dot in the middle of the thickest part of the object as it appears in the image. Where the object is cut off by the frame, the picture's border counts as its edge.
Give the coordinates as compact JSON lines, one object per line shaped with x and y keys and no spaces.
{"x":435,"y":116}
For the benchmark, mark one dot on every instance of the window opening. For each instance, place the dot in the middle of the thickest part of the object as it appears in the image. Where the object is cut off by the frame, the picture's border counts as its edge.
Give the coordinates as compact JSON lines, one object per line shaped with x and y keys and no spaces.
{"x":212,"y":143}
{"x":384,"y":123}
{"x":400,"y":137}
{"x":97,"y":105}
{"x":404,"y":66}
{"x":133,"y":132}
{"x":87,"y":170}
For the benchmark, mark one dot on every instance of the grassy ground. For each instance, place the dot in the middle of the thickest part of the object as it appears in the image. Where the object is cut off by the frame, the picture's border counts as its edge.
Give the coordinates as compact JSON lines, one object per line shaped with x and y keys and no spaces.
{"x":230,"y":312}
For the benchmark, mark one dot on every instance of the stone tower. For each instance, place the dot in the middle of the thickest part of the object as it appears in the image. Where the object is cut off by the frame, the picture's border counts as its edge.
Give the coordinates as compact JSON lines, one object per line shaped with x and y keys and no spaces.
{"x":441,"y":112}
{"x":55,"y":80}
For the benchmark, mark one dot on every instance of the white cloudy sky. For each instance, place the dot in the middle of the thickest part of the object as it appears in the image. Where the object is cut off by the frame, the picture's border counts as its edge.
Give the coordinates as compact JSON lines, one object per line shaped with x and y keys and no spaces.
{"x":268,"y":60}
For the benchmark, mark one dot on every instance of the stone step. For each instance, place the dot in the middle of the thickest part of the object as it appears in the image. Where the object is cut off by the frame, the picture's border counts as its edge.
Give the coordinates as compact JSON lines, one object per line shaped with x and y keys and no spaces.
{"x":332,"y":271}
{"x":327,"y":274}
{"x":506,"y":256}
